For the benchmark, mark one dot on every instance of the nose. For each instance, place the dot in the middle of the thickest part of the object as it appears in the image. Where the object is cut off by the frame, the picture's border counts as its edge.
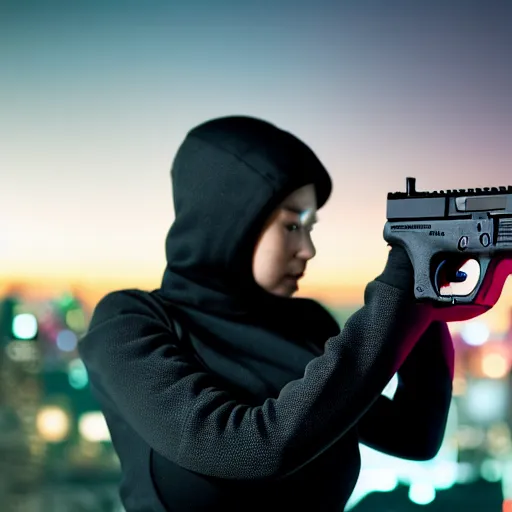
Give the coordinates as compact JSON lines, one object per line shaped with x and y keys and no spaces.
{"x":306,"y":249}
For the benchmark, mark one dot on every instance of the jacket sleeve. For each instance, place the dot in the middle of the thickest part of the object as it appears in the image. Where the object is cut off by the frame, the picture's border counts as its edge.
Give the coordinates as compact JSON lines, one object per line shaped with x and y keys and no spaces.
{"x":412,"y":425}
{"x":187,"y":415}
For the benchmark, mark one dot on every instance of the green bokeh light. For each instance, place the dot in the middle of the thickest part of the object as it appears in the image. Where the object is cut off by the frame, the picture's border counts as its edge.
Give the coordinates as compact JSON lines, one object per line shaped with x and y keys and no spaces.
{"x":77,"y":374}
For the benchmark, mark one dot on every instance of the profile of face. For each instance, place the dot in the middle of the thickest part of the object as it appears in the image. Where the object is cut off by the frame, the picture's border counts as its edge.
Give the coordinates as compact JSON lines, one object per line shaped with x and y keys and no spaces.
{"x":285,"y":245}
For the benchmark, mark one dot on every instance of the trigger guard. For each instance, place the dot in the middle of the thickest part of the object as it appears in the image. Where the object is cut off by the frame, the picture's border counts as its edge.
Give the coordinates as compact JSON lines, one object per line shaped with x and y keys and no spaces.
{"x":453,"y":279}
{"x":437,"y":288}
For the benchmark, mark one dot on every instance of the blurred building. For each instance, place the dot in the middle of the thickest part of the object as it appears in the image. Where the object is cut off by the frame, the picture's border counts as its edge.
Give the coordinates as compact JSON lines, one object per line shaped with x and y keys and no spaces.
{"x":54,"y":444}
{"x":21,"y":449}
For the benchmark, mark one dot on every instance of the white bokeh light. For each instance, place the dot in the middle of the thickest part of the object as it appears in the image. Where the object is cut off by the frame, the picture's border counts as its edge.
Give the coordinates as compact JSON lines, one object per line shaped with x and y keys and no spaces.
{"x":475,"y":333}
{"x":24,"y":326}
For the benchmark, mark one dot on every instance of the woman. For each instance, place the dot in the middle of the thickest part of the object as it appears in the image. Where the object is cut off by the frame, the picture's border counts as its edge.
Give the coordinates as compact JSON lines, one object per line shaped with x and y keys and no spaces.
{"x":222,"y":391}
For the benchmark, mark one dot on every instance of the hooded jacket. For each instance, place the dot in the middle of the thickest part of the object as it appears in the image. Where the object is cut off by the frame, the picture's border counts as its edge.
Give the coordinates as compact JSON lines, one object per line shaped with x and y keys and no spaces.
{"x":221,"y":396}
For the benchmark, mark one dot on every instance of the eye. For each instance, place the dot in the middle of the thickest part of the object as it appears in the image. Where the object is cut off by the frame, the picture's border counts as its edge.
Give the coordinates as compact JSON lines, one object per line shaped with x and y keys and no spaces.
{"x":296,"y":227}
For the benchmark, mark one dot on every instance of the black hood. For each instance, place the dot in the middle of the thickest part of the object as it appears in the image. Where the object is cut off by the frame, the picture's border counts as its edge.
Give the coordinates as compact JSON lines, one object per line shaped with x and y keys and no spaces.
{"x":228,"y":176}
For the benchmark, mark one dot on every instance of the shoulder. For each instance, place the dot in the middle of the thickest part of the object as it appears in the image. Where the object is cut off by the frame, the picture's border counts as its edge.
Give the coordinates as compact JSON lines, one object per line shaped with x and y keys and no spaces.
{"x":126,"y":302}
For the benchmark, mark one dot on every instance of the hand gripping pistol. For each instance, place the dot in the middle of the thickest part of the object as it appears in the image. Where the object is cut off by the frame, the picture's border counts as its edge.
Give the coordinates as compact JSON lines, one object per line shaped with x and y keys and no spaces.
{"x":459,"y":242}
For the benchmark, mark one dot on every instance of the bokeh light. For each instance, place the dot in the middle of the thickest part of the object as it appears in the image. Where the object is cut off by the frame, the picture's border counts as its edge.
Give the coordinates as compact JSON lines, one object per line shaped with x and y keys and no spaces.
{"x":24,"y":326}
{"x":422,"y":493}
{"x":53,"y":424}
{"x":494,"y":365}
{"x":77,"y":374}
{"x":67,"y":340}
{"x":475,"y":333}
{"x":93,"y":427}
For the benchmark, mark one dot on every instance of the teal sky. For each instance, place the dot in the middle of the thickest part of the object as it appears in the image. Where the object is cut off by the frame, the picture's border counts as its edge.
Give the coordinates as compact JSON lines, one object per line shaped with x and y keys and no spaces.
{"x":95,"y":98}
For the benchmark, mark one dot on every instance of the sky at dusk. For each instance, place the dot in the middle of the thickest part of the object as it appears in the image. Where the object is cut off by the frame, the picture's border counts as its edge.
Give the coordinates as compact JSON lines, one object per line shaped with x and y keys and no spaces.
{"x":95,"y":100}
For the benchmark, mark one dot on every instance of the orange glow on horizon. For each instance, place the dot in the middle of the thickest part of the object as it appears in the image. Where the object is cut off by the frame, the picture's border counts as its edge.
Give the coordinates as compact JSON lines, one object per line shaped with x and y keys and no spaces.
{"x":38,"y":288}
{"x":337,"y":293}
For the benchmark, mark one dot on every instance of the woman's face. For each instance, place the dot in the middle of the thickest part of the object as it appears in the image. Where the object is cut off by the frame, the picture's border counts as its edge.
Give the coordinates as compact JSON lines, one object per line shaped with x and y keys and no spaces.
{"x":285,"y":246}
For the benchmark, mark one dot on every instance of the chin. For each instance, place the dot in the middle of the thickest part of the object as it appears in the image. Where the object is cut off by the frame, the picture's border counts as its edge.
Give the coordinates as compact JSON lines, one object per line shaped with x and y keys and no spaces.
{"x":289,"y":291}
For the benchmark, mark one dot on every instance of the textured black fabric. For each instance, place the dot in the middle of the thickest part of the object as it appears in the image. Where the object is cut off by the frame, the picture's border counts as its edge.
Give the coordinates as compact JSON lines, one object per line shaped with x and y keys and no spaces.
{"x":412,"y":425}
{"x":398,"y":271}
{"x":218,"y":395}
{"x":157,"y":393}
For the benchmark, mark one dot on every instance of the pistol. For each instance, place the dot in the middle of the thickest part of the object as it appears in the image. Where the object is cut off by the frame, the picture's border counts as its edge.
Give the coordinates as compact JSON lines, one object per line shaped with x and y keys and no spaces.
{"x":459,"y":242}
